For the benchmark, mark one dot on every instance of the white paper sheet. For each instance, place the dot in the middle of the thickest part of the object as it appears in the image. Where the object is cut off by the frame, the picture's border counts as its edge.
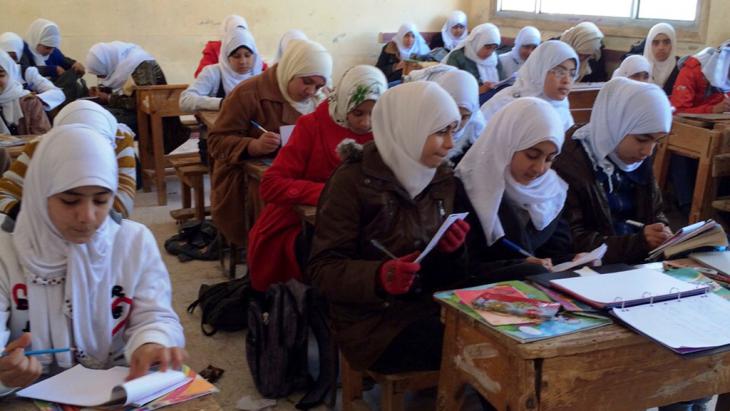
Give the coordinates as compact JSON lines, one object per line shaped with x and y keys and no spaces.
{"x":451,"y":219}
{"x":594,"y":255}
{"x":188,"y":147}
{"x":285,"y":133}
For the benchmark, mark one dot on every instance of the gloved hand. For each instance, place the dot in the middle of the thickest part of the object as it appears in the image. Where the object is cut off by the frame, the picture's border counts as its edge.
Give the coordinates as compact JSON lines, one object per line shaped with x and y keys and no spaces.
{"x":396,"y":276}
{"x":453,"y":237}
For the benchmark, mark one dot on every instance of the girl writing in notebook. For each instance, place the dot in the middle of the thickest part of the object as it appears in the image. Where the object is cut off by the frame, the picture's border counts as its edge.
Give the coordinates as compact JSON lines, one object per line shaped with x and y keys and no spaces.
{"x":607,"y":164}
{"x":587,"y":41}
{"x":376,"y":213}
{"x":300,"y":170}
{"x":74,"y":277}
{"x":41,"y":50}
{"x":407,"y":44}
{"x":634,"y":67}
{"x":454,"y":31}
{"x":549,"y":74}
{"x":513,"y":196}
{"x":274,"y":98}
{"x":239,"y":60}
{"x":20,"y":111}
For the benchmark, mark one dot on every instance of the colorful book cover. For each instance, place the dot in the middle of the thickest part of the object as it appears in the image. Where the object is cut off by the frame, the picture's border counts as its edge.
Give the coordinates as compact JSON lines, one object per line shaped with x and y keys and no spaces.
{"x":564,"y":323}
{"x":695,"y":277}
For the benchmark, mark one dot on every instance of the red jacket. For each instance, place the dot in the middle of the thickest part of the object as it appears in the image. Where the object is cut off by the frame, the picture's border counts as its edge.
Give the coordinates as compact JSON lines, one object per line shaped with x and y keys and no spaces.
{"x":297,"y":176}
{"x":210,"y":56}
{"x":690,"y":92}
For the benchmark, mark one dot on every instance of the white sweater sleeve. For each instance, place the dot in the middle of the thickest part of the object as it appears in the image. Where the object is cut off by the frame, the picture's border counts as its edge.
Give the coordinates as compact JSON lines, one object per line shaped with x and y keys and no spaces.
{"x":200,"y":95}
{"x":5,"y":304}
{"x":152,"y":320}
{"x":50,"y":95}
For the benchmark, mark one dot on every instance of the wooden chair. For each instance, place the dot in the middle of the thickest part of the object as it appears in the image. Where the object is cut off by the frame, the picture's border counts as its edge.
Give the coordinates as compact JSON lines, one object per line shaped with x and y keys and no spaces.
{"x":153,"y":104}
{"x":191,"y":173}
{"x":393,"y":386}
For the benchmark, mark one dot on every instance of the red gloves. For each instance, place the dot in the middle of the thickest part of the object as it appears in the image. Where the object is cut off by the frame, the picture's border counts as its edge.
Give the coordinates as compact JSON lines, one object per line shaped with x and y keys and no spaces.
{"x":396,"y":276}
{"x":453,"y":237}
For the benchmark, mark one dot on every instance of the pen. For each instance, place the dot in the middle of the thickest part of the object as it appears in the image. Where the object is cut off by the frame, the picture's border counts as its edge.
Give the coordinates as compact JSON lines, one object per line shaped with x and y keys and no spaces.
{"x":635,"y":223}
{"x":382,"y":248}
{"x":258,"y":126}
{"x":42,"y":352}
{"x":516,"y":247}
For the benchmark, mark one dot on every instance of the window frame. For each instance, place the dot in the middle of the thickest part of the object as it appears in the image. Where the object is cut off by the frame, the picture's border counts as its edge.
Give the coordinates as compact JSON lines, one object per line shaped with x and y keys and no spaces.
{"x":687,"y":31}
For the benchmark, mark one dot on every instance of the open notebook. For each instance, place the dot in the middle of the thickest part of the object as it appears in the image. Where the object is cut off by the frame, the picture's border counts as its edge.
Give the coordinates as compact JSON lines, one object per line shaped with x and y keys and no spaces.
{"x":701,"y":234}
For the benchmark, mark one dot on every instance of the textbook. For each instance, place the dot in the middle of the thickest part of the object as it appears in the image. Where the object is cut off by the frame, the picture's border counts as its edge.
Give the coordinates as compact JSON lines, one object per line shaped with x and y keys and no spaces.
{"x":701,"y":234}
{"x":88,"y":388}
{"x":719,"y":260}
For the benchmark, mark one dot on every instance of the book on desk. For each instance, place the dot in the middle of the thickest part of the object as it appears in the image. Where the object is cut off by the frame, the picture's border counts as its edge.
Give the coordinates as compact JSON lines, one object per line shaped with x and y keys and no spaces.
{"x":692,"y":237}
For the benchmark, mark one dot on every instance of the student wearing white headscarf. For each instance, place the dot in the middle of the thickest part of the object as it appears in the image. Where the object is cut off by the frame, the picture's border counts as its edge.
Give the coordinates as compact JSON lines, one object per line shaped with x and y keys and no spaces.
{"x":634,"y":67}
{"x":239,"y":60}
{"x":289,"y":35}
{"x":660,"y":50}
{"x":453,"y":32}
{"x":20,"y":111}
{"x":212,"y":48}
{"x":463,"y":88}
{"x":407,"y":44}
{"x":587,"y":41}
{"x":477,"y":55}
{"x":76,"y":276}
{"x":95,"y":116}
{"x":275,"y":98}
{"x":395,"y":191}
{"x":30,"y":78}
{"x":526,"y":41}
{"x":607,"y":164}
{"x":41,"y":50}
{"x":512,"y":194}
{"x":549,"y":76}
{"x":300,"y":171}
{"x":119,"y":67}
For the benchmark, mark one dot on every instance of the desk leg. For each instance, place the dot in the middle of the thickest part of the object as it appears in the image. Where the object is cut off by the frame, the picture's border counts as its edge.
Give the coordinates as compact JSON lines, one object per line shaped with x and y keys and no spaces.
{"x":199,"y":197}
{"x":701,"y":197}
{"x":158,"y":152}
{"x":661,"y":164}
{"x":451,"y":386}
{"x":143,"y":129}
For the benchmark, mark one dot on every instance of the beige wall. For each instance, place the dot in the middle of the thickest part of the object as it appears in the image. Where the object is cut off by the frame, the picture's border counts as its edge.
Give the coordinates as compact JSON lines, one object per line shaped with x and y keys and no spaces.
{"x":174,"y":31}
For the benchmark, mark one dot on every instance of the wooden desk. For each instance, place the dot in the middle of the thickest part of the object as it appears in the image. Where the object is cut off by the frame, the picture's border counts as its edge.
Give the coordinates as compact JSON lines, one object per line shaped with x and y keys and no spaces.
{"x":191,"y":172}
{"x":307,"y":213}
{"x":207,"y":118}
{"x":153,"y":104}
{"x":702,"y":140}
{"x":583,"y":95}
{"x":254,"y":204}
{"x":206,"y":403}
{"x":15,"y":151}
{"x":608,"y":368}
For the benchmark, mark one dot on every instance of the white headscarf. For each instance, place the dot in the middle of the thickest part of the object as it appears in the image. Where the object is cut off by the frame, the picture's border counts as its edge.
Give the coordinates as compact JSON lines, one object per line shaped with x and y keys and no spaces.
{"x":485,"y":172}
{"x":429,"y":73}
{"x":358,"y":84}
{"x":402,"y":120}
{"x":531,"y":81}
{"x":464,"y":89}
{"x":304,"y":58}
{"x":456,"y":17}
{"x":288,"y":36}
{"x":116,"y":60}
{"x":11,"y":94}
{"x":479,"y":37}
{"x":231,"y":22}
{"x":585,"y":38}
{"x":44,"y":32}
{"x":11,"y":42}
{"x":419,"y":46}
{"x":527,"y":36}
{"x":633,"y":64}
{"x":661,"y":70}
{"x":67,"y":157}
{"x":623,"y":107}
{"x":234,"y":39}
{"x":716,"y":65}
{"x":90,"y":114}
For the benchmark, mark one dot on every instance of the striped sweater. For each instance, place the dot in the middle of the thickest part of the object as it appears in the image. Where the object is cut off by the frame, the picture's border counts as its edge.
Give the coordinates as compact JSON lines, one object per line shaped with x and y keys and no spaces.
{"x":11,"y":182}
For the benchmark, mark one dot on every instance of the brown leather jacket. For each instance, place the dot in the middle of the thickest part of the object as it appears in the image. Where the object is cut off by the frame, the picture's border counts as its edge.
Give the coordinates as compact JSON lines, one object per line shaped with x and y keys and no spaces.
{"x":588,"y":211}
{"x":34,"y":120}
{"x":364,"y":201}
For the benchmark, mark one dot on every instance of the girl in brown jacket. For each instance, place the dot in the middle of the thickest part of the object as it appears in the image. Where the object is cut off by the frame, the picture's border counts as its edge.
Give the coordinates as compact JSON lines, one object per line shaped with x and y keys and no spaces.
{"x":20,"y":111}
{"x":395,"y":192}
{"x":274,"y":98}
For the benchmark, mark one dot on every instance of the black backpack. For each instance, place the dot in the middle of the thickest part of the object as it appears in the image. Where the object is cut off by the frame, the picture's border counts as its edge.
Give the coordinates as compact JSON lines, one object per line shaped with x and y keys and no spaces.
{"x":277,"y":339}
{"x":224,"y":305}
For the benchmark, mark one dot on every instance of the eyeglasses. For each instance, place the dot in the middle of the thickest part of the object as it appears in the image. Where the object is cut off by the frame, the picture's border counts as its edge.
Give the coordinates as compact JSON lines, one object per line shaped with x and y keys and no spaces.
{"x":561,"y":72}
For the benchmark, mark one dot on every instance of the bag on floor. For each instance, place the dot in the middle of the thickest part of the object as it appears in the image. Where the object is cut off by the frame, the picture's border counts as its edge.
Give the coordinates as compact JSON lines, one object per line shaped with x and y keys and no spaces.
{"x":196,"y":241}
{"x":223,"y":305}
{"x":277,"y":339}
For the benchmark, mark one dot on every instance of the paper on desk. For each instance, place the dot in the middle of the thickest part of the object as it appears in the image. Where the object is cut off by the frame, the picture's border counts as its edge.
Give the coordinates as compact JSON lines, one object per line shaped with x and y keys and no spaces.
{"x":451,"y":219}
{"x":188,"y":147}
{"x":285,"y":133}
{"x":594,"y":255}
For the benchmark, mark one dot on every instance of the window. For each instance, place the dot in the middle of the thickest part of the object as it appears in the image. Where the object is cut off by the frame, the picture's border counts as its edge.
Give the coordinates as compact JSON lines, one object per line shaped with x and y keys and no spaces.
{"x":676,"y":10}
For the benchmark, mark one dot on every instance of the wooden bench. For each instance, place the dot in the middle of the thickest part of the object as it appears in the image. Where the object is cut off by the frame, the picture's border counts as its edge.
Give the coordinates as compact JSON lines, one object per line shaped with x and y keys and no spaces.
{"x":393,"y":386}
{"x":191,"y":172}
{"x":153,"y":104}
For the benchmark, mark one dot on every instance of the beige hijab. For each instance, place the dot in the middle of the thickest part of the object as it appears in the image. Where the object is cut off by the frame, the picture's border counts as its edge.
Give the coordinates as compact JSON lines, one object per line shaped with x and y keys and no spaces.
{"x":304,"y":58}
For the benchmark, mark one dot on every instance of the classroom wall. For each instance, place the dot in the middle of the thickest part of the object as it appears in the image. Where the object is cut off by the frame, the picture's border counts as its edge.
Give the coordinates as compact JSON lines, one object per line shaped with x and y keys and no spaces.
{"x":175,"y":31}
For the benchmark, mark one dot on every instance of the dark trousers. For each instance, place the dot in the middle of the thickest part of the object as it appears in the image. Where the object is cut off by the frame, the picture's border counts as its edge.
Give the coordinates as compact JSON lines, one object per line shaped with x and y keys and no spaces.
{"x":416,"y":348}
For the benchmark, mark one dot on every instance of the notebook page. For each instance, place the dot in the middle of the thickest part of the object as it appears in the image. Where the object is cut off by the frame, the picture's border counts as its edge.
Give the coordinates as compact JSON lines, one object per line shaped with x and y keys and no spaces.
{"x":285,"y":133}
{"x":451,"y":219}
{"x":77,"y":386}
{"x":693,"y":322}
{"x":719,"y":260}
{"x":596,"y":254}
{"x":142,"y":390}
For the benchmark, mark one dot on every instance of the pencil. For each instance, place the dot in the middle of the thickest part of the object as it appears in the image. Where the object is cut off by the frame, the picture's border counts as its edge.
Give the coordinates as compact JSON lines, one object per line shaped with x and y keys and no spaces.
{"x":258,"y":126}
{"x":382,"y":248}
{"x":635,"y":223}
{"x":516,"y":247}
{"x":42,"y":352}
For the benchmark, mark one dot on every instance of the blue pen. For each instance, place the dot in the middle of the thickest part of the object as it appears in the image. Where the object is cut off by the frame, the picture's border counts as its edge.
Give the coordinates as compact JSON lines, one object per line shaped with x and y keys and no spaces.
{"x":516,"y":247}
{"x":42,"y":352}
{"x":258,"y":126}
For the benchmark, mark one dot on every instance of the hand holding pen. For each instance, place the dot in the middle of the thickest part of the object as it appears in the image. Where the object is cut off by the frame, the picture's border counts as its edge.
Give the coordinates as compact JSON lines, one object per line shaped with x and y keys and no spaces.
{"x":545,"y":262}
{"x":17,"y":368}
{"x":654,"y":234}
{"x":396,"y":276}
{"x":267,"y":142}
